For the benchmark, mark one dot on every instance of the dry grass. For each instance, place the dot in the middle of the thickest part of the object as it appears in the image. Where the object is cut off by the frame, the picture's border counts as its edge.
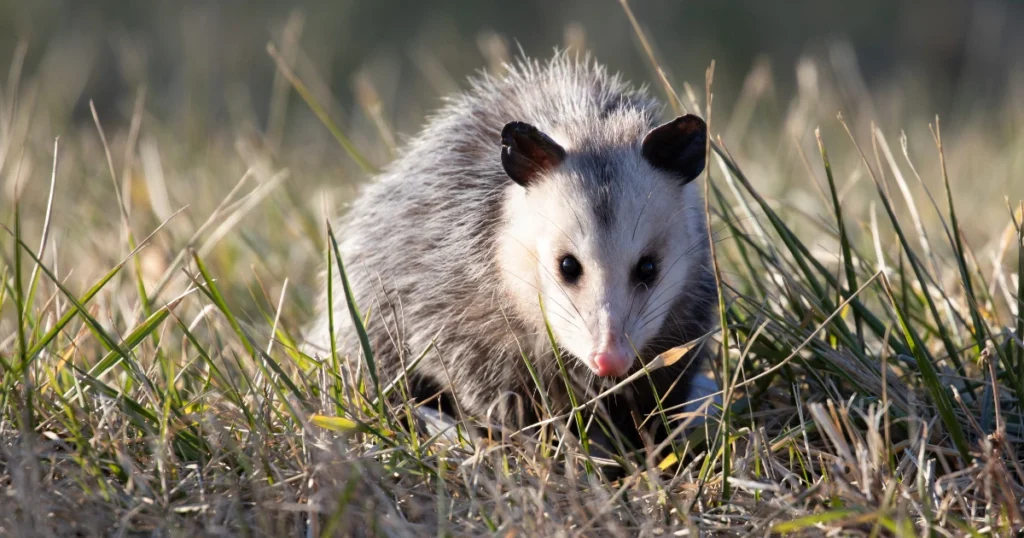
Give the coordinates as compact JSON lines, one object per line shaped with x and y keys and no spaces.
{"x":153,"y":291}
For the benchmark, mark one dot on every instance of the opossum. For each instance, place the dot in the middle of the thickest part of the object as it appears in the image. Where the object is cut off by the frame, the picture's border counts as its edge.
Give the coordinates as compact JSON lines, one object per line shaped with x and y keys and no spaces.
{"x":547,"y":197}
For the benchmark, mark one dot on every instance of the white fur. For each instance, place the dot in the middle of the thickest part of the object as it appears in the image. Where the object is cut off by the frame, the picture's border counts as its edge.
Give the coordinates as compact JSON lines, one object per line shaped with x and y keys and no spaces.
{"x":656,"y":215}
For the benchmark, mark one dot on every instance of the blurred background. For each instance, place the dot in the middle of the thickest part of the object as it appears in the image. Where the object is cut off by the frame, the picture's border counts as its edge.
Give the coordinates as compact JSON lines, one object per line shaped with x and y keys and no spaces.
{"x":210,"y":104}
{"x":944,"y":56}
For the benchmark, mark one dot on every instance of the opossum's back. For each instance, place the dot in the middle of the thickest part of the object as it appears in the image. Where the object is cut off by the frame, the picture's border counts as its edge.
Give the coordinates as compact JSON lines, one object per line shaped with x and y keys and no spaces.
{"x":412,"y":258}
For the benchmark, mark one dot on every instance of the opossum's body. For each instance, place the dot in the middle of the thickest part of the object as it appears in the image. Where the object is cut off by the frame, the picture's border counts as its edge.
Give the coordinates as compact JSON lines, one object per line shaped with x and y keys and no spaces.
{"x":457,"y":243}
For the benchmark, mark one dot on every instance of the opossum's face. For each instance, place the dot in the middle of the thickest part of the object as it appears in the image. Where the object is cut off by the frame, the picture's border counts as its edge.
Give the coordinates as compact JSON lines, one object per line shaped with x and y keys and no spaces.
{"x":605,"y":236}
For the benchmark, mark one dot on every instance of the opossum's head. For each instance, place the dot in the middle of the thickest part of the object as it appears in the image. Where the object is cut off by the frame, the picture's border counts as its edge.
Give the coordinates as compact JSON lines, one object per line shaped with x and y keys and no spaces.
{"x":605,"y":232}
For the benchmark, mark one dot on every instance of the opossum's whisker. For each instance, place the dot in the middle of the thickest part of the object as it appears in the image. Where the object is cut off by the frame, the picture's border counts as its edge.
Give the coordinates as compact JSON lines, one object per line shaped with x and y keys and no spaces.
{"x":668,"y":224}
{"x":632,"y":300}
{"x":538,"y":213}
{"x":562,"y":289}
{"x":641,"y":213}
{"x":552,"y":277}
{"x":650,"y":300}
{"x":645,"y":314}
{"x":652,"y":316}
{"x":629,"y":312}
{"x":657,"y":311}
{"x":659,"y":295}
{"x":571,"y":207}
{"x":676,"y":339}
{"x":687,"y":251}
{"x":535,"y":333}
{"x":552,"y":299}
{"x":543,"y":293}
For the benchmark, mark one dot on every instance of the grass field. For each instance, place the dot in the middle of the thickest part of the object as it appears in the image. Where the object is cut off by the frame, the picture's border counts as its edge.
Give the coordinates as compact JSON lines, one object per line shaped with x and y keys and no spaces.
{"x":156,"y":277}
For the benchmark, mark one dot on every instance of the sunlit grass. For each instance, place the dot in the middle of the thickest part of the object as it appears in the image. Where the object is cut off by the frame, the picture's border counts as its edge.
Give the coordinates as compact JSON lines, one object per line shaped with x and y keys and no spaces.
{"x":150,"y":377}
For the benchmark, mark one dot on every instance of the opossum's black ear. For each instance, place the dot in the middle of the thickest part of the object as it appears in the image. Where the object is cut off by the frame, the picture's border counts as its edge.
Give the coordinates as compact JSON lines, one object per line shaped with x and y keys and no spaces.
{"x":526,"y":152}
{"x":678,"y":147}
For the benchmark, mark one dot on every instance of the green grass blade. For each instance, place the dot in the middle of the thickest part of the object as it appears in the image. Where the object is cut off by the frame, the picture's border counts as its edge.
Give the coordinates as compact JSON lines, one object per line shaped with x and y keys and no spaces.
{"x":725,"y":423}
{"x":814,"y":520}
{"x":918,"y":268}
{"x":958,"y":245}
{"x":577,"y":413}
{"x":130,"y":342}
{"x":1020,"y":292}
{"x":230,"y":392}
{"x":357,"y":320}
{"x":844,"y":239}
{"x":3,"y":287}
{"x":25,"y":414}
{"x":940,"y":397}
{"x":261,"y":359}
{"x":34,"y":279}
{"x":70,"y":314}
{"x":331,"y":328}
{"x":94,"y":326}
{"x":806,"y":261}
{"x":186,"y":442}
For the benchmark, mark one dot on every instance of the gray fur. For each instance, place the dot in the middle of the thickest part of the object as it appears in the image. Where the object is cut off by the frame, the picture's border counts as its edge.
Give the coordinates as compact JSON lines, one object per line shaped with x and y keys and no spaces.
{"x":420,"y":242}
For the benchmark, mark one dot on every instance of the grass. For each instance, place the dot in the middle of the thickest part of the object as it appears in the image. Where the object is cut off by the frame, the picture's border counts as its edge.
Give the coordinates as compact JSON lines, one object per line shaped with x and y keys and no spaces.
{"x":871,"y":361}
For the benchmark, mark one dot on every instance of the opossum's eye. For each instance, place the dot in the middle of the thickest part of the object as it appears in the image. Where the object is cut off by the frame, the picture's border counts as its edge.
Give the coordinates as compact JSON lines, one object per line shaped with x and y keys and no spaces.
{"x":677,"y":147}
{"x":646,"y":270}
{"x":570,"y":268}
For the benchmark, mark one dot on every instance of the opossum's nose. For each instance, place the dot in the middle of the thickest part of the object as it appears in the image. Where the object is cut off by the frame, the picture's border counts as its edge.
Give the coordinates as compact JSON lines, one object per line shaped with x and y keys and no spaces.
{"x":611,"y":357}
{"x":611,"y":363}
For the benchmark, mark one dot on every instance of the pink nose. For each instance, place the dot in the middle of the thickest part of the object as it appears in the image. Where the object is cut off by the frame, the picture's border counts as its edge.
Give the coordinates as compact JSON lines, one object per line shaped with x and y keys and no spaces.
{"x":611,"y":364}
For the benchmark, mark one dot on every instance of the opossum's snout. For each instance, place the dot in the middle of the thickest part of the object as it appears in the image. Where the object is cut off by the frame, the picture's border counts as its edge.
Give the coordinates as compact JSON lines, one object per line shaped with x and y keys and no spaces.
{"x":610,"y":363}
{"x":612,"y":354}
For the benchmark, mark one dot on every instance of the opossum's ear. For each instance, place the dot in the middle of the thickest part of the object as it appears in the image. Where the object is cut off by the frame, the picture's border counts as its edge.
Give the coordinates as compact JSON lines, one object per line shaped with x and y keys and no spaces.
{"x":526,"y":152}
{"x":678,"y":147}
